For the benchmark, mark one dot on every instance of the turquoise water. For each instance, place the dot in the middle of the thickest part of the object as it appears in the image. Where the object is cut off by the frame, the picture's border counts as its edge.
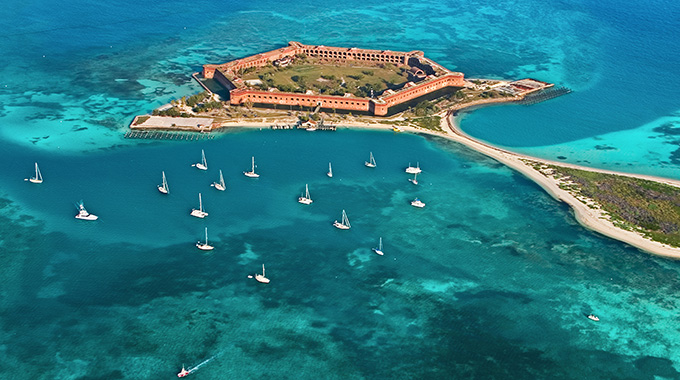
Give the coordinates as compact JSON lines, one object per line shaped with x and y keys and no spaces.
{"x":492,"y":279}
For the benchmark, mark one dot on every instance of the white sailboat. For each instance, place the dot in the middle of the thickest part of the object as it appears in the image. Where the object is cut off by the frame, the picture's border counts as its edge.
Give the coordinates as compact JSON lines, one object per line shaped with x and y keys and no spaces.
{"x":200,"y":213}
{"x":221,"y":186}
{"x":205,"y":246}
{"x":417,"y":203}
{"x":261,"y":277}
{"x":305,"y":199}
{"x":330,"y":171}
{"x":38,"y":176}
{"x":83,"y":214}
{"x":344,"y":225}
{"x":413,"y":170}
{"x":379,"y":250}
{"x":252,"y":173}
{"x":163,"y":188}
{"x":371,"y":161}
{"x":203,"y":165}
{"x":414,"y":180}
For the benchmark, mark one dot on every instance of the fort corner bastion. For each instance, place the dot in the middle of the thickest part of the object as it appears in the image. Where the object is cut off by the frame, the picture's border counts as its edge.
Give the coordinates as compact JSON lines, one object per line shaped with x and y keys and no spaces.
{"x":424,"y":77}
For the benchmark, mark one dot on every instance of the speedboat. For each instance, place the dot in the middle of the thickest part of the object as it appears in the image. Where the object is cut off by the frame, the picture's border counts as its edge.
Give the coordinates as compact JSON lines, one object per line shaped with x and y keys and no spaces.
{"x":593,"y":317}
{"x":183,"y":372}
{"x":83,"y":214}
{"x":417,"y":203}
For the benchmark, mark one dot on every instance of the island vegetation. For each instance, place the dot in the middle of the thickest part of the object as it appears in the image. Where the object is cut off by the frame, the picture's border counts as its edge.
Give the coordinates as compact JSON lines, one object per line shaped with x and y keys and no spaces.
{"x":648,"y":207}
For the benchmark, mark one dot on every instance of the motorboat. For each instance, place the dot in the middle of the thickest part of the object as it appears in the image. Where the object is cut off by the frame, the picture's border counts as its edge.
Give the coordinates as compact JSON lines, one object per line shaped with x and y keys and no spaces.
{"x":83,"y":214}
{"x":417,"y":203}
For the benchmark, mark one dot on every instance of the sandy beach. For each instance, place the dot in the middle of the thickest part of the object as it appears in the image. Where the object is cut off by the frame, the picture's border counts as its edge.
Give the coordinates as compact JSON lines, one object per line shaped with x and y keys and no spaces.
{"x":592,"y":218}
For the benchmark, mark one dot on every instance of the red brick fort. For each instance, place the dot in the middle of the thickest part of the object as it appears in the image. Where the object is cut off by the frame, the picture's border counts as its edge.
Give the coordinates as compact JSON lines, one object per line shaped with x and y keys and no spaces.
{"x":227,"y":74}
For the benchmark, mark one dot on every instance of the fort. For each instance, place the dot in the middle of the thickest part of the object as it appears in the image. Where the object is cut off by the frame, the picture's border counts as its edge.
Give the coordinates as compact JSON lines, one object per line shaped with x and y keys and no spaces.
{"x":424,"y":77}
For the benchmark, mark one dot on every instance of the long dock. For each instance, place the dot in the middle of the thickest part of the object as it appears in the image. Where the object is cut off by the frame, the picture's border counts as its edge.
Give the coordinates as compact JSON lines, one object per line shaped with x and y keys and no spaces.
{"x":166,"y":135}
{"x":543,"y":95}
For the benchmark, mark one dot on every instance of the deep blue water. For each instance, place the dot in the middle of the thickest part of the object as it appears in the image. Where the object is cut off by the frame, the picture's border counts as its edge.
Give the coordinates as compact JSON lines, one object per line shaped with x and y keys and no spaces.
{"x":492,"y":279}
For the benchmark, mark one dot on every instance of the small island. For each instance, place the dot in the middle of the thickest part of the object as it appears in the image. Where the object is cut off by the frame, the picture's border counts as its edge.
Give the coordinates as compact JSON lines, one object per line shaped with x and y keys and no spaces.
{"x":330,"y":86}
{"x":318,"y":87}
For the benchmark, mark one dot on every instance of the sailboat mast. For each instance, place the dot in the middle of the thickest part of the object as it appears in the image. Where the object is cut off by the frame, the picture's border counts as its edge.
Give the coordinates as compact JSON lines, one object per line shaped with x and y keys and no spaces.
{"x":263,"y":271}
{"x":206,"y":236}
{"x":253,"y":166}
{"x":200,"y":202}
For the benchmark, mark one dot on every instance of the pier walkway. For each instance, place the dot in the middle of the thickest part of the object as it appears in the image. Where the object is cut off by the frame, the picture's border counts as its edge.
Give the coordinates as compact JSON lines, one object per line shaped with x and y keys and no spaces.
{"x":167,"y":135}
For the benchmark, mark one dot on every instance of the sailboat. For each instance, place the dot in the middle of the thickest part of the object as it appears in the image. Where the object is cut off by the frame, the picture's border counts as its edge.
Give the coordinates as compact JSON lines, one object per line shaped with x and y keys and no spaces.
{"x":205,"y":246}
{"x":413,"y":170}
{"x":305,"y":199}
{"x":344,"y":225}
{"x":379,"y":249}
{"x":163,"y":188}
{"x":203,"y":165}
{"x":200,"y":213}
{"x":261,"y":277}
{"x":330,"y":171}
{"x":221,"y":186}
{"x":371,"y":161}
{"x":252,"y":173}
{"x":38,"y":176}
{"x":83,"y":214}
{"x":414,"y":180}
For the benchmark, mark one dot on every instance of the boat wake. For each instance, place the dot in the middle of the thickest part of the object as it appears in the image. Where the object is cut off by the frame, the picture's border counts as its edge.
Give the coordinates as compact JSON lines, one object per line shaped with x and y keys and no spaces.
{"x":186,"y":372}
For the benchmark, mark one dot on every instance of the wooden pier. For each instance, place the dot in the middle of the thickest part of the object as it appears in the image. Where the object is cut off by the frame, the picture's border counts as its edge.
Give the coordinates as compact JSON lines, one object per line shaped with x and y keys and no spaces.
{"x":543,"y":95}
{"x":167,"y":135}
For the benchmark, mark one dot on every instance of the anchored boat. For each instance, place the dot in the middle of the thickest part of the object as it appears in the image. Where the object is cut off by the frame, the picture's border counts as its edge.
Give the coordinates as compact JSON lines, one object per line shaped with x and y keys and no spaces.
{"x":344,"y":225}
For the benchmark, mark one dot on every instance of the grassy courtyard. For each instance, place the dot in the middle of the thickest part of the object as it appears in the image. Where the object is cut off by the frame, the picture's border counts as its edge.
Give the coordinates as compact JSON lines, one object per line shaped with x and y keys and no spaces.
{"x":329,"y":79}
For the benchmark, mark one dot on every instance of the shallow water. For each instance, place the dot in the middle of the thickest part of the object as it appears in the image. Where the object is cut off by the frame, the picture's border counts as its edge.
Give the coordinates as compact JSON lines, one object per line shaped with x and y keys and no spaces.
{"x":492,"y":279}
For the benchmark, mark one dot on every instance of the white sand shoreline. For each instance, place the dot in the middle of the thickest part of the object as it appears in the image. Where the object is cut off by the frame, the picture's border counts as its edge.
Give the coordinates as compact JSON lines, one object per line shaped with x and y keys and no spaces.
{"x":591,"y":218}
{"x":594,"y":219}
